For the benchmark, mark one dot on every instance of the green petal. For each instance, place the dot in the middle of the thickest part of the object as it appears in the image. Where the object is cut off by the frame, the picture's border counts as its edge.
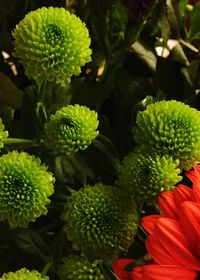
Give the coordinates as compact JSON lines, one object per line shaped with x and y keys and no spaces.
{"x":24,"y":274}
{"x":170,"y":128}
{"x":25,"y":186}
{"x":52,"y":44}
{"x":77,"y":267}
{"x":72,"y":128}
{"x":100,"y":220}
{"x":145,"y":176}
{"x":3,"y":134}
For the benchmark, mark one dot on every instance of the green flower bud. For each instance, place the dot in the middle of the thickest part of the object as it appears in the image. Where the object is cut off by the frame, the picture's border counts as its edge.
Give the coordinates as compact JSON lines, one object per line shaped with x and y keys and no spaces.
{"x":145,"y":176}
{"x":3,"y":134}
{"x":79,"y":268}
{"x":25,"y":186}
{"x":170,"y":128}
{"x":72,"y":128}
{"x":52,"y":44}
{"x":100,"y":220}
{"x":24,"y":274}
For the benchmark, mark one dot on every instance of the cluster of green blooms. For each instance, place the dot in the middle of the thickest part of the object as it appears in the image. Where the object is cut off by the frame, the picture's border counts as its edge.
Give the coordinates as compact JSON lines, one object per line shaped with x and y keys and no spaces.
{"x":100,"y":220}
{"x":52,"y":45}
{"x":25,"y":186}
{"x":168,"y":134}
{"x":170,"y":128}
{"x":24,"y":274}
{"x":79,"y":268}
{"x":72,"y":128}
{"x":3,"y":134}
{"x":146,"y":176}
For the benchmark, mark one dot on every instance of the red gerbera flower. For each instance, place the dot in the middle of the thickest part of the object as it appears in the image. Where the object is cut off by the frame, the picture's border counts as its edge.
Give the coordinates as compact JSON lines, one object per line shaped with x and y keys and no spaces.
{"x":162,"y":272}
{"x":173,"y":241}
{"x":119,"y":268}
{"x":175,"y":235}
{"x":152,"y":271}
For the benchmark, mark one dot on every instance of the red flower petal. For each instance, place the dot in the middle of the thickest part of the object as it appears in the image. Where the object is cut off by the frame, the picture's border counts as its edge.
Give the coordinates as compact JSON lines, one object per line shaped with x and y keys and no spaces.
{"x":194,"y":175}
{"x":196,"y":192}
{"x":137,"y":273}
{"x":168,"y":205}
{"x":157,"y":251}
{"x":190,"y":221}
{"x":182,"y":193}
{"x":119,"y":268}
{"x":172,"y":240}
{"x":162,"y":272}
{"x":149,"y":222}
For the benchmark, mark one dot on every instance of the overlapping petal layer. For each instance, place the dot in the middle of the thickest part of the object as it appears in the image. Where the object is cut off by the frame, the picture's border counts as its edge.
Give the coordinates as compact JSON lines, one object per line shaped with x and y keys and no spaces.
{"x":173,"y":241}
{"x":162,"y":272}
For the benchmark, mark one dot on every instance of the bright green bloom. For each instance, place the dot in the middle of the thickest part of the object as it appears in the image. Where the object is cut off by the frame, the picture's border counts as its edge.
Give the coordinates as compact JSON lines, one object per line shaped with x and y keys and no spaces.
{"x":25,"y":186}
{"x":3,"y":134}
{"x":170,"y":128}
{"x":79,"y":268}
{"x":24,"y":274}
{"x":52,"y":44}
{"x":72,"y":128}
{"x":100,"y":220}
{"x":145,"y":176}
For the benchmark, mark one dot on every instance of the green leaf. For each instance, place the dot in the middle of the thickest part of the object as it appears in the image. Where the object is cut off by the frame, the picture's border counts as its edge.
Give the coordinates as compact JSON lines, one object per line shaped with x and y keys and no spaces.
{"x":174,"y":79}
{"x":30,"y":242}
{"x":81,"y":168}
{"x":194,"y":32}
{"x":89,"y":93}
{"x":178,"y":54}
{"x":163,"y":22}
{"x":173,"y":18}
{"x":104,"y":144}
{"x":7,"y":116}
{"x":145,"y":54}
{"x":64,"y":171}
{"x":10,"y":95}
{"x":56,"y":97}
{"x":119,"y":17}
{"x":58,"y":248}
{"x":72,"y":170}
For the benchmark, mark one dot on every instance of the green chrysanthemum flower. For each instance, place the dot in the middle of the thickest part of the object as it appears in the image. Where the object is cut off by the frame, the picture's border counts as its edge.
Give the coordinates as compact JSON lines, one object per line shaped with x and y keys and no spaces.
{"x":24,"y":274}
{"x":100,"y":221}
{"x":52,"y":44}
{"x":72,"y":128}
{"x":25,"y":186}
{"x":3,"y":134}
{"x":145,"y":176}
{"x":170,"y":128}
{"x":79,"y":268}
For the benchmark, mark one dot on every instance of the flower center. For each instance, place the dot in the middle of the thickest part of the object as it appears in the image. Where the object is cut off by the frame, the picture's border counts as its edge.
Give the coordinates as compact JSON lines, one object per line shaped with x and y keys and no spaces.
{"x":16,"y":189}
{"x":67,"y":123}
{"x":144,"y":174}
{"x":53,"y":34}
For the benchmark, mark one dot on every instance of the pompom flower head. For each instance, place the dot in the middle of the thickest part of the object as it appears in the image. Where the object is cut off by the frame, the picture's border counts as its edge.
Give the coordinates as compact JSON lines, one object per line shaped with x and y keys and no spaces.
{"x":25,"y":186}
{"x":52,"y":44}
{"x":100,"y":221}
{"x":77,"y":267}
{"x":145,"y":176}
{"x":24,"y":274}
{"x":72,"y":128}
{"x":3,"y":134}
{"x":170,"y":128}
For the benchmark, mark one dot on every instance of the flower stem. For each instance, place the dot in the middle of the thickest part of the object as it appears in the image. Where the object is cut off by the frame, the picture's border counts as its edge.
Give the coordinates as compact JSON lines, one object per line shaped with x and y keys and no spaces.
{"x":41,"y":91}
{"x":46,"y":268}
{"x":13,"y":141}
